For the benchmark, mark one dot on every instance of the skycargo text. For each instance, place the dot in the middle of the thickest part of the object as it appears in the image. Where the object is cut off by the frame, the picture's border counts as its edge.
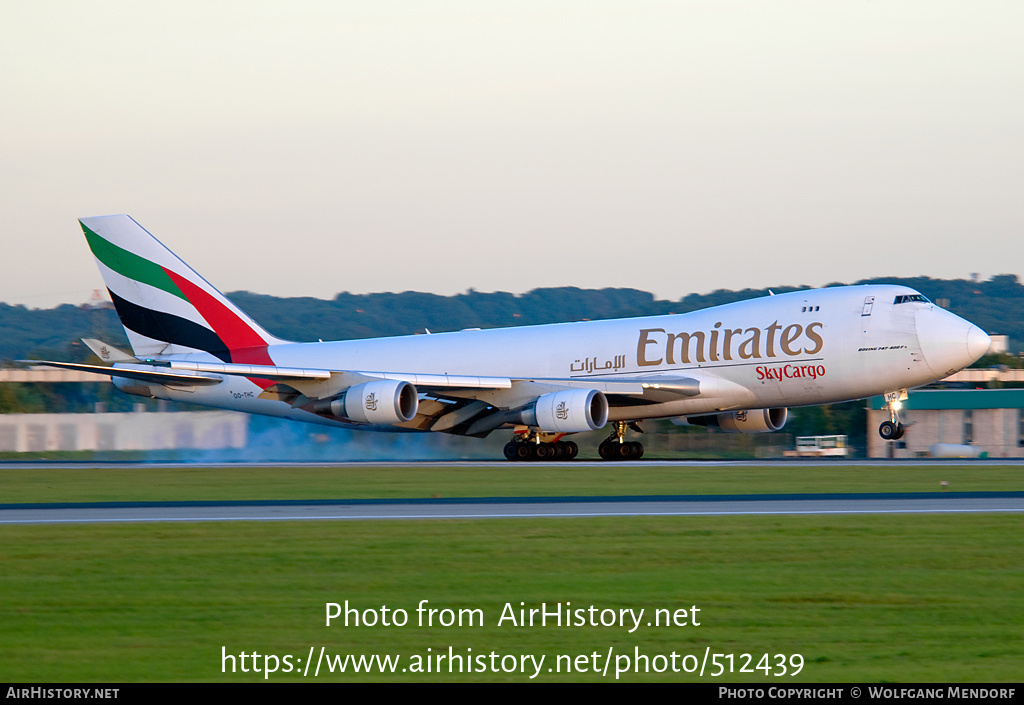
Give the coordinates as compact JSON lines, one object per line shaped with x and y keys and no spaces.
{"x":789,"y":372}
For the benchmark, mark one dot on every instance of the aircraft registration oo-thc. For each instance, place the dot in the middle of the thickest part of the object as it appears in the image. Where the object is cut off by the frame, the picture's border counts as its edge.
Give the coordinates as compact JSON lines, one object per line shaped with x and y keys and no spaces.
{"x":737,"y":367}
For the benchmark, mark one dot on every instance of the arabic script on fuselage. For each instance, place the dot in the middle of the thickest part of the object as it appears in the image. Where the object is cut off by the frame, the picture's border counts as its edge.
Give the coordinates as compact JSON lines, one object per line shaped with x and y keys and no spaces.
{"x":591,"y":365}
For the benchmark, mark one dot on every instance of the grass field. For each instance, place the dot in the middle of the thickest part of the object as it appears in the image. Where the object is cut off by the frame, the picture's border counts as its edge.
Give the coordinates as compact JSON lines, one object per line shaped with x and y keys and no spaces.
{"x":502,"y":480}
{"x":912,"y":598}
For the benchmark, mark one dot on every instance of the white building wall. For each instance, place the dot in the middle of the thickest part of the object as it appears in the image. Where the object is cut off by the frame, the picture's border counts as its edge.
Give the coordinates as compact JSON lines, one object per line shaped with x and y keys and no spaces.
{"x":123,"y":431}
{"x":995,"y":431}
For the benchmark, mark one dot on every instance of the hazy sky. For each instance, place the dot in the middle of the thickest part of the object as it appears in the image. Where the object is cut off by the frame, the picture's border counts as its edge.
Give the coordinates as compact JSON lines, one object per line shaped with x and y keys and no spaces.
{"x":304,"y":148}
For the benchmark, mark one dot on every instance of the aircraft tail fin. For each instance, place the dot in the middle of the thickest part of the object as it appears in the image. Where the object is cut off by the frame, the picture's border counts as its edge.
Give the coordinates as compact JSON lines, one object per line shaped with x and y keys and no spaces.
{"x":164,"y":305}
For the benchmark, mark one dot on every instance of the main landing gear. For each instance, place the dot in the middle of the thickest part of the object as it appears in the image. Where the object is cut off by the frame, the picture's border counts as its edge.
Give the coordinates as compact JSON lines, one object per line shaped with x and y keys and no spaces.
{"x":893,"y":429}
{"x":528,"y":445}
{"x":532,"y":445}
{"x":616,"y":447}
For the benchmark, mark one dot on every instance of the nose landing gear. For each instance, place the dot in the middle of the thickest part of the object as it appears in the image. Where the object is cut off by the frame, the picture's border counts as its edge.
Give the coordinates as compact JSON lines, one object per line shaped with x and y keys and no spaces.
{"x":893,"y":429}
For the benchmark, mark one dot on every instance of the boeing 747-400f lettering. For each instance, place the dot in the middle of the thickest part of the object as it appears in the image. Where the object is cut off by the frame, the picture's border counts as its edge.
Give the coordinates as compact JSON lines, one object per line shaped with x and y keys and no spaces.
{"x":736,"y":367}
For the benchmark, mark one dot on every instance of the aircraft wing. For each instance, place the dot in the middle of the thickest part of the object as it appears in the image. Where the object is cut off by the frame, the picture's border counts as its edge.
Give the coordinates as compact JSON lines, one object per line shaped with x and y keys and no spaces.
{"x":648,"y":386}
{"x":461,"y":404}
{"x":651,"y":388}
{"x":505,"y":391}
{"x":182,"y":372}
{"x":314,"y":383}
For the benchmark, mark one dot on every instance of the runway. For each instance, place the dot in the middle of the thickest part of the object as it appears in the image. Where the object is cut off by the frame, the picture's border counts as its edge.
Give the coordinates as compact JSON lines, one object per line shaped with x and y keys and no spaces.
{"x":491,"y":463}
{"x":514,"y":507}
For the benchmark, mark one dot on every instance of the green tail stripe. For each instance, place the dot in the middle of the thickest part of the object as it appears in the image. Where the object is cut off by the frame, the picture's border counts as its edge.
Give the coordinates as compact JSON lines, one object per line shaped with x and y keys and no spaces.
{"x":130,"y":265}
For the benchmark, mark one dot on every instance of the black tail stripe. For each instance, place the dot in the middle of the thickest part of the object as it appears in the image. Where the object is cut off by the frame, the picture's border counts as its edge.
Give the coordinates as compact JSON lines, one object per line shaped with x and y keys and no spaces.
{"x":169,"y":328}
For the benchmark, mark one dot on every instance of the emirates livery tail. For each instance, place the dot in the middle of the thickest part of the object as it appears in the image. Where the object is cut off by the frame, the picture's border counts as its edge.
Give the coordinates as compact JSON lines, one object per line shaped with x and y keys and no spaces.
{"x":166,"y":308}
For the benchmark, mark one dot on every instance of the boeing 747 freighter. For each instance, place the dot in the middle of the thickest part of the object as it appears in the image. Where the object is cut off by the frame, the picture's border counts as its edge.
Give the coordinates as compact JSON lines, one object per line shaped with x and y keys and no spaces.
{"x":737,"y":367}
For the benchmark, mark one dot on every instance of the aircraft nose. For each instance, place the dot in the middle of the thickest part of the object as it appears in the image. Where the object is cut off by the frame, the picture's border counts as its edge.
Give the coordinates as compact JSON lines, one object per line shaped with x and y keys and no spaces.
{"x":948,"y":342}
{"x":978,"y":342}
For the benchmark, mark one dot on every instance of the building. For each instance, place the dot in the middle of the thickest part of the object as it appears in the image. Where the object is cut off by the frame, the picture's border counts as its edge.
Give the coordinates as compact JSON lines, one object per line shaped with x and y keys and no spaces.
{"x":990,"y":420}
{"x":140,"y":431}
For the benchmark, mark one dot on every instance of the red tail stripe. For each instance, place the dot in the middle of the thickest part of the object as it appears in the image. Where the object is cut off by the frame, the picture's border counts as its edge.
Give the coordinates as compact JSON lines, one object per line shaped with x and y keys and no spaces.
{"x":244,"y":343}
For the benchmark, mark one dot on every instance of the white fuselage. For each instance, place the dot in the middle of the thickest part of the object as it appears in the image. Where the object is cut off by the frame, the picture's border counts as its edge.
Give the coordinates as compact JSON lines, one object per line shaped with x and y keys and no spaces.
{"x":808,"y":347}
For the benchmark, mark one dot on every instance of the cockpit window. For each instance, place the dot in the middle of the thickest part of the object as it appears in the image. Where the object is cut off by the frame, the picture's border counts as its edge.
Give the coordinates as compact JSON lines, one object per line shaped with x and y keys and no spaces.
{"x":907,"y":298}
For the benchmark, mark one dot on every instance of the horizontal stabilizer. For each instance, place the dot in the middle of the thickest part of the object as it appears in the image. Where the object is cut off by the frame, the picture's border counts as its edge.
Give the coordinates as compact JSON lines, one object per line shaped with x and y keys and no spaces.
{"x":107,"y":352}
{"x":132,"y":373}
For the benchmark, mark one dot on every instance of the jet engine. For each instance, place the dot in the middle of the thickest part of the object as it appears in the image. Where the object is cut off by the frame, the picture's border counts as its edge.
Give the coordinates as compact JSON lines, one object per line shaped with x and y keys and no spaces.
{"x":385,"y":402}
{"x":571,"y":411}
{"x":754,"y":421}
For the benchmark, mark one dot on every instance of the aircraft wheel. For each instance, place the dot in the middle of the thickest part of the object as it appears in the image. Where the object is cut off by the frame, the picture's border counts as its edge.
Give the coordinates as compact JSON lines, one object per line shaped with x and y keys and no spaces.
{"x":544,"y":451}
{"x":510,"y":450}
{"x":638,"y":450}
{"x":524,"y":451}
{"x":572,"y":450}
{"x":900,"y":430}
{"x":887,"y":431}
{"x":607,"y":451}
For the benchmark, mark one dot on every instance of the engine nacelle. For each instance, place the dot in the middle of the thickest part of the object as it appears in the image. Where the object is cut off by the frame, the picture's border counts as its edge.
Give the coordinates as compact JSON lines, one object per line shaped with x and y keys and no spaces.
{"x":571,"y":411}
{"x":755,"y":421}
{"x":382,"y":403}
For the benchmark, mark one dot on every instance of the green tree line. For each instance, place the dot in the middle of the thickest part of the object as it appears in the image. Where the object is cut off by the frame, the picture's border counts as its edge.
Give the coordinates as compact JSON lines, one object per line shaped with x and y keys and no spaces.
{"x":997,"y":305}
